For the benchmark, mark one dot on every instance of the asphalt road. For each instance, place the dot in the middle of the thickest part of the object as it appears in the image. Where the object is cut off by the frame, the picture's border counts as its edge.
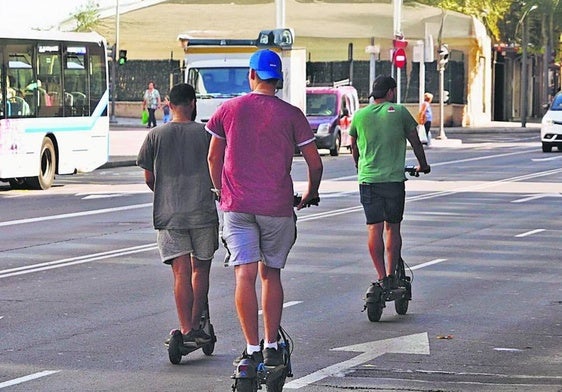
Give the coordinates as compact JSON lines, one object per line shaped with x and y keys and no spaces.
{"x":85,"y":304}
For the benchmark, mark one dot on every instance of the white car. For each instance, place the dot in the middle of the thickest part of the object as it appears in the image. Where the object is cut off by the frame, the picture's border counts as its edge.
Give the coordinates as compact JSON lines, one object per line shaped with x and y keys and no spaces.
{"x":551,"y":125}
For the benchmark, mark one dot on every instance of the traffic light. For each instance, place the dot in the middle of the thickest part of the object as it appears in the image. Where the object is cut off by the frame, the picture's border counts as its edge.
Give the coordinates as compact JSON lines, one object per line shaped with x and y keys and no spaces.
{"x":111,"y":52}
{"x":122,"y":56}
{"x":443,"y":55}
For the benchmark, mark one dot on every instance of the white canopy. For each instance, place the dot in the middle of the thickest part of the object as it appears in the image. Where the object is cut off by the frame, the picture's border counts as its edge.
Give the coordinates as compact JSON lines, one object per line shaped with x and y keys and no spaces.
{"x":148,"y":29}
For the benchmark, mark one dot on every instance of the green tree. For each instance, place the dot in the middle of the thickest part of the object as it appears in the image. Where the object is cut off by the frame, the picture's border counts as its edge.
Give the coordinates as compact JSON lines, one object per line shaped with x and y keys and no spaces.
{"x":489,"y":12}
{"x":87,"y":16}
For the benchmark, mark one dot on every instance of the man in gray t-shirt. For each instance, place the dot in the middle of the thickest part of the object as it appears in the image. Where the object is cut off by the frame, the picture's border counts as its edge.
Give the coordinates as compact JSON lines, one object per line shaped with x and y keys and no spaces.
{"x":174,"y":159}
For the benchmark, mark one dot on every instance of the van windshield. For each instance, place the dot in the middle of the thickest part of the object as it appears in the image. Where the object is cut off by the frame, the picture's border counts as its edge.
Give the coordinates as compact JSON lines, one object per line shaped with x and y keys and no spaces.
{"x":219,"y":82}
{"x":321,"y":104}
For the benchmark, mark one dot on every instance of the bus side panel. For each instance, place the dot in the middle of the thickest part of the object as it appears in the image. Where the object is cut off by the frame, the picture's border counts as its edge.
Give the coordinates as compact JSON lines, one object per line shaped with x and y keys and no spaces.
{"x":17,"y":155}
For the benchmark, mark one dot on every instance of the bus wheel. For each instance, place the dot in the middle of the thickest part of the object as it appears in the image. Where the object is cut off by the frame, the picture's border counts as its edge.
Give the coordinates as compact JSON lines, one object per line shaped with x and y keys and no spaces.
{"x":47,"y":167}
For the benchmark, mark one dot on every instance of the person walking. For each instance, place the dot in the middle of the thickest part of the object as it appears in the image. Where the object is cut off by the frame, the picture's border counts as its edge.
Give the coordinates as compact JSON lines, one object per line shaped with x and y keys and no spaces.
{"x":425,"y":115}
{"x":378,"y":143}
{"x":251,"y":173}
{"x":151,"y":102}
{"x":166,"y":114}
{"x":174,"y":159}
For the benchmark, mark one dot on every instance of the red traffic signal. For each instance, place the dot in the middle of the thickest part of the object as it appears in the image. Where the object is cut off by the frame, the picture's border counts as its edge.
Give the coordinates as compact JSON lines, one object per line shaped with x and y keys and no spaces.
{"x":399,"y":58}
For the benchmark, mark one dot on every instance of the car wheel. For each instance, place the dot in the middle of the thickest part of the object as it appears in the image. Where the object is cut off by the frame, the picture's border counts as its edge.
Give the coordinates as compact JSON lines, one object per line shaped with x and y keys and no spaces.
{"x":337,"y":144}
{"x":546,"y":147}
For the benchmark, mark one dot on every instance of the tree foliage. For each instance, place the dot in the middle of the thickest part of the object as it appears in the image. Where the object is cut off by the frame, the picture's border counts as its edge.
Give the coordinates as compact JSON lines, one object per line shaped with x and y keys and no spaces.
{"x":87,"y":16}
{"x":489,"y":12}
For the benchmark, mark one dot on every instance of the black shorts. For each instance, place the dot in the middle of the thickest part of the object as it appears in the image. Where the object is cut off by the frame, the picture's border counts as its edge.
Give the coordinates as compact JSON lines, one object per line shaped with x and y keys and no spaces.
{"x":383,"y":202}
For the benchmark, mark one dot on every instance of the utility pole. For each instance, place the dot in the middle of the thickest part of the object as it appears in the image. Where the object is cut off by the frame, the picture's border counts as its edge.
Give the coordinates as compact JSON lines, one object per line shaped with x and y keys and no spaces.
{"x":443,"y":60}
{"x":112,"y":118}
{"x":280,"y":13}
{"x":524,"y":72}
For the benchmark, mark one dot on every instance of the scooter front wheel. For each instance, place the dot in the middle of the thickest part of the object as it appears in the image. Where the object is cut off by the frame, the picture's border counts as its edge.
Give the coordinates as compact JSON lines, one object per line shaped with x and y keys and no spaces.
{"x":374,"y":310}
{"x":245,"y":385}
{"x":401,"y":306}
{"x":276,"y":385}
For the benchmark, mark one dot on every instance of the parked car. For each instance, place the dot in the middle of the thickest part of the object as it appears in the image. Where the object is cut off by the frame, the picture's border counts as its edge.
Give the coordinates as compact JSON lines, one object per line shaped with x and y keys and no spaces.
{"x":551,"y":125}
{"x":329,"y":111}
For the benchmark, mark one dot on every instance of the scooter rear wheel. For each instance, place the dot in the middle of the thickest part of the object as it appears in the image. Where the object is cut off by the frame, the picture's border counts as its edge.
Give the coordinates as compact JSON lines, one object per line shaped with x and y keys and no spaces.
{"x":174,"y":351}
{"x":210,"y":347}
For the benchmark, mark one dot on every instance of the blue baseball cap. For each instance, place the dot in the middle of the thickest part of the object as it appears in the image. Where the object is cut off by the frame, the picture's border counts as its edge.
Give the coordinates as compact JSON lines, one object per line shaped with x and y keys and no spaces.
{"x":267,"y":64}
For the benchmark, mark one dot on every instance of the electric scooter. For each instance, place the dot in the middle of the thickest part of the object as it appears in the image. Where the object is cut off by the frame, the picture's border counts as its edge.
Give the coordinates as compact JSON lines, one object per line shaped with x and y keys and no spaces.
{"x":376,"y":295}
{"x":177,"y":348}
{"x":248,"y":378}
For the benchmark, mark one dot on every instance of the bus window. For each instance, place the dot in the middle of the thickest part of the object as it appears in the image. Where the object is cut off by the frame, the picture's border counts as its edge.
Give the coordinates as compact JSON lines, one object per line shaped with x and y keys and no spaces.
{"x":20,"y":72}
{"x":49,"y":91}
{"x":75,"y":80}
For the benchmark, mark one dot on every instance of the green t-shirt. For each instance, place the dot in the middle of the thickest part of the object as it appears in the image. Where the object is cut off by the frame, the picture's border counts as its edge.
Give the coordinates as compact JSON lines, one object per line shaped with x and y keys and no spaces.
{"x":380,"y":131}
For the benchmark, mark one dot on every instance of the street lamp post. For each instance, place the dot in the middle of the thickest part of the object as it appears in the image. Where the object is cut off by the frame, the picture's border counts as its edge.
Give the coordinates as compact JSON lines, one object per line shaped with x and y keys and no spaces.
{"x":524,"y":72}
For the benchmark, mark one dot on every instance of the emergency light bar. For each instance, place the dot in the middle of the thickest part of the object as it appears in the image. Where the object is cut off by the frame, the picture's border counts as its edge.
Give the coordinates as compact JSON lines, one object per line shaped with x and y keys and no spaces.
{"x":276,"y":38}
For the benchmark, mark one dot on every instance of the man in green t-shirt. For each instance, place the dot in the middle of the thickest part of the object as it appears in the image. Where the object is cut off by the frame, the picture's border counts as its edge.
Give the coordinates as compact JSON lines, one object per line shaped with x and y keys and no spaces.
{"x":378,"y":143}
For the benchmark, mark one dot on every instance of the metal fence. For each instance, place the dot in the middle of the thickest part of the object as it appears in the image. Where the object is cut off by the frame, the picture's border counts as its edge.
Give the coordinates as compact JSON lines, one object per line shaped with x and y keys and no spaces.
{"x":134,"y":75}
{"x":358,"y":73}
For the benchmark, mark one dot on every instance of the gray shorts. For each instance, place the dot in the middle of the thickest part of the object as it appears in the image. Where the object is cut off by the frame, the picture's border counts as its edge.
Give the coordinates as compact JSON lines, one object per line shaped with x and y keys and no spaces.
{"x":251,"y":238}
{"x":201,"y":243}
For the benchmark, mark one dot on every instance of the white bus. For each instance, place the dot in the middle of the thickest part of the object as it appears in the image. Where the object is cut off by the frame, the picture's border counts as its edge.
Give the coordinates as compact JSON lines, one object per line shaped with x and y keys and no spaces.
{"x":53,"y":106}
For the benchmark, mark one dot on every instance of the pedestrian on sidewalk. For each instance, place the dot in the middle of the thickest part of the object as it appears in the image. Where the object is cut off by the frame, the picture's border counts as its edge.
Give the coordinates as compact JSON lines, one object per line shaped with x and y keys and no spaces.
{"x":151,"y":102}
{"x":166,"y":114}
{"x":174,"y":159}
{"x":425,"y":115}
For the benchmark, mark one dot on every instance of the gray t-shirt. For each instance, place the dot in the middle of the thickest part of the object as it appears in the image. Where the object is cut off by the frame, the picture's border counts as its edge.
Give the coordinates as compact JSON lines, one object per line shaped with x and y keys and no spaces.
{"x":176,"y":153}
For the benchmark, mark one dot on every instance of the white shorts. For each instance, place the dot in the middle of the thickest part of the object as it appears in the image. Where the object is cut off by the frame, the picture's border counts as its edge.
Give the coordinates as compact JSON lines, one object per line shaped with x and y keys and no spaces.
{"x":251,"y":238}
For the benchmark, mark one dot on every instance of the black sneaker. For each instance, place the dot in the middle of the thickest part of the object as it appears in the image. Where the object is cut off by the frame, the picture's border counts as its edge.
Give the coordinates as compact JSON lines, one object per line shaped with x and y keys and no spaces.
{"x":197,"y":336}
{"x":392,"y":282}
{"x":272,"y":357}
{"x":256,"y":357}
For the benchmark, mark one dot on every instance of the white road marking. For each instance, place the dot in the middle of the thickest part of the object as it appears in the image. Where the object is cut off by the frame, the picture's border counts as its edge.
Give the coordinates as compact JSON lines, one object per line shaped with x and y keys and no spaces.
{"x":535,"y":197}
{"x":285,"y":305}
{"x":74,"y":214}
{"x":528,"y":233}
{"x":75,"y":260}
{"x":427,"y":264}
{"x":410,"y":344}
{"x":104,"y":196}
{"x":21,"y":380}
{"x":547,"y":159}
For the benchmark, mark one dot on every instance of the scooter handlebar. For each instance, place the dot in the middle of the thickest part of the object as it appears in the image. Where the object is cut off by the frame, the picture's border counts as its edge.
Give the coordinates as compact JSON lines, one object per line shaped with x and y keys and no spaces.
{"x":413,"y":171}
{"x":312,"y":202}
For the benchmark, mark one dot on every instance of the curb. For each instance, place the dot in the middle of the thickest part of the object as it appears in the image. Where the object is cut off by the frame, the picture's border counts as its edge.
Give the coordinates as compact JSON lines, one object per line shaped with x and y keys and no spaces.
{"x":118,"y":163}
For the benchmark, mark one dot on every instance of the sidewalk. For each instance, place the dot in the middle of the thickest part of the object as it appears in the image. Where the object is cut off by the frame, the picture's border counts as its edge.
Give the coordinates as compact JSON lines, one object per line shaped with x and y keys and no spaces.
{"x":127,"y":134}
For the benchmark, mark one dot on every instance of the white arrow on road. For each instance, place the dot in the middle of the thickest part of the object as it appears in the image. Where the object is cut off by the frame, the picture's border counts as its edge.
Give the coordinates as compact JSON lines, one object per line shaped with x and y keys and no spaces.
{"x":410,"y":344}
